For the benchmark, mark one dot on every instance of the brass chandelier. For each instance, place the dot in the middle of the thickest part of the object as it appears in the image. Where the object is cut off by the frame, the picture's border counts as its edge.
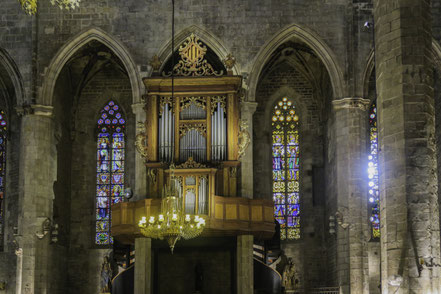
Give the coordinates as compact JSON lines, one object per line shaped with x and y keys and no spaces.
{"x":172,"y":223}
{"x":30,"y":6}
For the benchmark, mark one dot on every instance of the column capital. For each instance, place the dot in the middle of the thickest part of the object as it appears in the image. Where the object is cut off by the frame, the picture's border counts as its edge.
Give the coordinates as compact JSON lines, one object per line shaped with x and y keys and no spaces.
{"x":248,"y":107}
{"x":136,"y":107}
{"x":35,"y":109}
{"x":351,"y":103}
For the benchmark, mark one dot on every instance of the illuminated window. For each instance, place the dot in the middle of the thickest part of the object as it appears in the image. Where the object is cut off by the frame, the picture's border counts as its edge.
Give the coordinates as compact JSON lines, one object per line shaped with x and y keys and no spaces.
{"x":110,"y":168}
{"x":286,"y":168}
{"x":2,"y":174}
{"x":374,"y":195}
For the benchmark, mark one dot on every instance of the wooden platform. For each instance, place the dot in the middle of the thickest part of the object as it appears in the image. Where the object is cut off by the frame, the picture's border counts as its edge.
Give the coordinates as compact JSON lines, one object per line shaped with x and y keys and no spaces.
{"x":228,"y":216}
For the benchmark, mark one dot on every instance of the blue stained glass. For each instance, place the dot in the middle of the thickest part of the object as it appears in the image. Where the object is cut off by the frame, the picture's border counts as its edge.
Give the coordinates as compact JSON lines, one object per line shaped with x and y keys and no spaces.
{"x":102,"y":238}
{"x":372,"y":171}
{"x":103,"y":178}
{"x":118,"y":178}
{"x":286,"y":168}
{"x":110,"y":169}
{"x":102,"y":214}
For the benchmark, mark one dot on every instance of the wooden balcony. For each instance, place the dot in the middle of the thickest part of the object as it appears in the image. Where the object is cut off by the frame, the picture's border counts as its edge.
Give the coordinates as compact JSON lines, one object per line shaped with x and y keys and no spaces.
{"x":227,"y":216}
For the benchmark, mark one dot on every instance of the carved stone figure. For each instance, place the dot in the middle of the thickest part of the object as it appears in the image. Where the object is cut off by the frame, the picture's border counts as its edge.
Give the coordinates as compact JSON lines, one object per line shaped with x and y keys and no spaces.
{"x":141,"y":141}
{"x":244,"y":138}
{"x":290,"y":279}
{"x":106,"y":276}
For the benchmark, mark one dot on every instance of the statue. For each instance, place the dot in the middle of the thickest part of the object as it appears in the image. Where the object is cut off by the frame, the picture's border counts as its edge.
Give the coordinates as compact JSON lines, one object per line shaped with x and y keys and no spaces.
{"x":106,"y":276}
{"x":244,"y":138}
{"x":290,"y":280}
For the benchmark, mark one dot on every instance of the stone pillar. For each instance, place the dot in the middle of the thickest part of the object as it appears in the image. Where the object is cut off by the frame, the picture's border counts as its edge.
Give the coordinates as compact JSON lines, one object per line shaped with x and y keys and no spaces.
{"x":247,"y":112}
{"x":143,"y":266}
{"x":407,"y":161}
{"x":351,"y":121}
{"x":245,"y":266}
{"x":38,"y":171}
{"x":140,"y":190}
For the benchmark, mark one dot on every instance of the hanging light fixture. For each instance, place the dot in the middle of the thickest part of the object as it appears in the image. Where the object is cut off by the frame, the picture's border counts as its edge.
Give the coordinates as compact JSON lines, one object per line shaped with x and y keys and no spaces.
{"x":172,"y":223}
{"x":30,"y":6}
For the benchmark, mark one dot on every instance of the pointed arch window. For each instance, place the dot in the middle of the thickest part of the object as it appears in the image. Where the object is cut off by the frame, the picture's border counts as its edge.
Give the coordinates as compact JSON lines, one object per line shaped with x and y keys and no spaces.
{"x":286,"y":168}
{"x":110,"y":168}
{"x":3,"y":129}
{"x":374,"y":194}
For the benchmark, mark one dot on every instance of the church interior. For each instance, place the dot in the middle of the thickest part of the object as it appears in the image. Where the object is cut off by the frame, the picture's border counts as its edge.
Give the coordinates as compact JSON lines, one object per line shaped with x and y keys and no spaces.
{"x":220,"y":147}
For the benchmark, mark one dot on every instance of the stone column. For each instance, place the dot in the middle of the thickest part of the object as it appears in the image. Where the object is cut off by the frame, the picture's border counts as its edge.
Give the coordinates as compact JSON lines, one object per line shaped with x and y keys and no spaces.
{"x":140,"y":191}
{"x":351,"y":121}
{"x":143,"y":266}
{"x":407,"y":161}
{"x":247,"y":112}
{"x":38,"y":171}
{"x":245,"y":266}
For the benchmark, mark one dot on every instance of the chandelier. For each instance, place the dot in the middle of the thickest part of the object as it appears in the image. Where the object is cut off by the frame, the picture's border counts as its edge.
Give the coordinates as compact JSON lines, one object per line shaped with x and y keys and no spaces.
{"x":172,"y":223}
{"x":30,"y":6}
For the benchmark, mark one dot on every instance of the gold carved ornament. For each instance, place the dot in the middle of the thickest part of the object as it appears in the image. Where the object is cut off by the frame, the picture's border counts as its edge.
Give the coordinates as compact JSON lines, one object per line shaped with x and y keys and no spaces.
{"x":244,"y":138}
{"x":196,"y":100}
{"x":192,"y":62}
{"x":141,"y":140}
{"x":190,"y":163}
{"x":163,"y":101}
{"x":200,"y":127}
{"x":218,"y":99}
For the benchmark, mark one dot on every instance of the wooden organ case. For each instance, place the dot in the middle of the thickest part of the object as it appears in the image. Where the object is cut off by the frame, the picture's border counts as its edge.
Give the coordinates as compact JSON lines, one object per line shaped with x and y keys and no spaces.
{"x":196,"y":127}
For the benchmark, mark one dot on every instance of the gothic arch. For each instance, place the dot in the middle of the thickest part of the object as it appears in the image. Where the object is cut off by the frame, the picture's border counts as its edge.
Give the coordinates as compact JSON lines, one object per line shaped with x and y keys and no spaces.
{"x":66,"y":51}
{"x":207,"y":37}
{"x":311,"y":39}
{"x":14,"y":75}
{"x":370,"y":64}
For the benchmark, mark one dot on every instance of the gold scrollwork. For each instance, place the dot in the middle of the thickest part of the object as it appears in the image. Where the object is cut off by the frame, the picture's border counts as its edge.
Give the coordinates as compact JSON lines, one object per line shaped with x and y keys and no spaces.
{"x":152,"y":173}
{"x":196,"y":100}
{"x":200,"y":127}
{"x":163,"y":101}
{"x":141,"y":140}
{"x":190,"y":163}
{"x":215,"y":100}
{"x":192,"y":62}
{"x":244,"y":137}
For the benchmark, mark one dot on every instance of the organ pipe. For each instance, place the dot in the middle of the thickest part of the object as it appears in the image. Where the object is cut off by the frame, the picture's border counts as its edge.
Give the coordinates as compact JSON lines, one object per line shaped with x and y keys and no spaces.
{"x":166,"y":134}
{"x":218,"y":131}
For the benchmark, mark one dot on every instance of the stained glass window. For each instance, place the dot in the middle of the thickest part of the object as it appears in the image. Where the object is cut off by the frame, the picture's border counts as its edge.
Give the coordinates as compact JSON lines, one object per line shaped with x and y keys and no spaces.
{"x":110,"y":168}
{"x":2,"y":174}
{"x":286,"y":168}
{"x":374,"y":195}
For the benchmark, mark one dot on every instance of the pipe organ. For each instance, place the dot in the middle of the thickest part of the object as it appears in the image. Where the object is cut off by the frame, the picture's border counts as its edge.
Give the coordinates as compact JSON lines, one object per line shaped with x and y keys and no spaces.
{"x":195,"y":125}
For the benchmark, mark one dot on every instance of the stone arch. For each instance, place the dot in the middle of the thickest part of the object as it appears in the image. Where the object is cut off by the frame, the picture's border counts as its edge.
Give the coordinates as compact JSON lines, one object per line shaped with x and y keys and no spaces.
{"x":207,"y":37}
{"x":312,"y":40}
{"x":13,"y":74}
{"x":370,"y":64}
{"x":66,"y":51}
